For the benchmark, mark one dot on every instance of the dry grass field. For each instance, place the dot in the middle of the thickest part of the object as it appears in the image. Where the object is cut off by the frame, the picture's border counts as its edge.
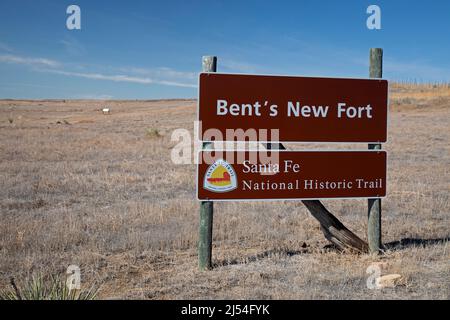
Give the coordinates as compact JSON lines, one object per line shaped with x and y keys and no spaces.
{"x":100,"y":191}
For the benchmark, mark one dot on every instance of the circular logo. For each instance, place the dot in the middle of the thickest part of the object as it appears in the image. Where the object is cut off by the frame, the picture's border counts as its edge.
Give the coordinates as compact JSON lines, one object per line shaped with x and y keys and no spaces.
{"x":220,"y":177}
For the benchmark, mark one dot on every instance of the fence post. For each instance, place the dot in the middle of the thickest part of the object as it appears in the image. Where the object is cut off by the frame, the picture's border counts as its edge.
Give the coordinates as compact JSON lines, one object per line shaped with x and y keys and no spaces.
{"x":209,"y":64}
{"x":374,"y":205}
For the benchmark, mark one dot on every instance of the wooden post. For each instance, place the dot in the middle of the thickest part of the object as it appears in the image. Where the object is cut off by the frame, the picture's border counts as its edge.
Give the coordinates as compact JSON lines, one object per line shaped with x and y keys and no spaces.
{"x":209,"y":64}
{"x":374,"y":205}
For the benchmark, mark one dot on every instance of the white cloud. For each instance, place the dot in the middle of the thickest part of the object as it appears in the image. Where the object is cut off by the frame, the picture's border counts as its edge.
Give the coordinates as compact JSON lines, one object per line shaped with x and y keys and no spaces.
{"x":5,"y":47}
{"x":238,"y":66}
{"x":409,"y":70}
{"x":35,"y":62}
{"x":168,"y":72}
{"x":73,"y":46}
{"x":161,"y":73}
{"x":121,"y":78}
{"x":416,"y":70}
{"x":158,"y":76}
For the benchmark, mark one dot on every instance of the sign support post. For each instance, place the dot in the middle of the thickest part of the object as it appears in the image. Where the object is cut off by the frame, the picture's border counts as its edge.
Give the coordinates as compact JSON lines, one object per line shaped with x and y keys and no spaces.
{"x":374,"y":205}
{"x":209,"y":64}
{"x":362,"y":117}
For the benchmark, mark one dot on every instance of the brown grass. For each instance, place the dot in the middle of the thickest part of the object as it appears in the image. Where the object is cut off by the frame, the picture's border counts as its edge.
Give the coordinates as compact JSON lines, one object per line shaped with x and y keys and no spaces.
{"x":79,"y":187}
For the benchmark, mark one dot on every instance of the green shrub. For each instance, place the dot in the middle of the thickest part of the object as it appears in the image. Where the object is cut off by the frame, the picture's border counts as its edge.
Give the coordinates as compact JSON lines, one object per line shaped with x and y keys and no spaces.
{"x":39,"y":288}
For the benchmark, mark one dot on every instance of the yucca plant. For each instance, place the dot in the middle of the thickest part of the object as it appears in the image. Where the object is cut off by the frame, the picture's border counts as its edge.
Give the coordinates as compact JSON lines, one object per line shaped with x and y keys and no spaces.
{"x":39,"y":288}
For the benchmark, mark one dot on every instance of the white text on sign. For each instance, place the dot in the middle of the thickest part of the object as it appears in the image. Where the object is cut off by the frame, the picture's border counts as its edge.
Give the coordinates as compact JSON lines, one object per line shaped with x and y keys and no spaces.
{"x":294,"y":109}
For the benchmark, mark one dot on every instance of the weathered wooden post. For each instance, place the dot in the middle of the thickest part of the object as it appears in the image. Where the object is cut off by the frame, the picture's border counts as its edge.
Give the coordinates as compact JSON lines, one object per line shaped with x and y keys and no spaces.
{"x":374,"y":205}
{"x":209,"y":64}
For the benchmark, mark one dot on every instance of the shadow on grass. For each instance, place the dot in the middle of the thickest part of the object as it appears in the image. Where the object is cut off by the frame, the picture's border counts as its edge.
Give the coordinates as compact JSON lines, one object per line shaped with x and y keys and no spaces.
{"x":395,"y":245}
{"x":259,"y":256}
{"x":414,"y":242}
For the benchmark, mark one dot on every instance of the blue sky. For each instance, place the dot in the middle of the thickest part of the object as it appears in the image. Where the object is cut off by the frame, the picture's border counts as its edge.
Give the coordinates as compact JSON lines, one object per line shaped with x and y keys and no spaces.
{"x":141,"y":49}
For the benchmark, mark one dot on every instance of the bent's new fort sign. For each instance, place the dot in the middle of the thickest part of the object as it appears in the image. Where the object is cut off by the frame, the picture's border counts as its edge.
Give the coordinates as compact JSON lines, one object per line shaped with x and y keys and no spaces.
{"x":252,"y":175}
{"x":292,"y":109}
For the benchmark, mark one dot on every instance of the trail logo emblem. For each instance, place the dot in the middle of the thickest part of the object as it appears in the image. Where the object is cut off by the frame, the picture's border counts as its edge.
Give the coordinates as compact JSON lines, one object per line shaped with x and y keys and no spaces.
{"x":220,"y":177}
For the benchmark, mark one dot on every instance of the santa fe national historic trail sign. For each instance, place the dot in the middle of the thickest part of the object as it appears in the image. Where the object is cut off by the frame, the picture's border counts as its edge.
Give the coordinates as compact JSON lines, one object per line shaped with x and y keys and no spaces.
{"x":294,"y":175}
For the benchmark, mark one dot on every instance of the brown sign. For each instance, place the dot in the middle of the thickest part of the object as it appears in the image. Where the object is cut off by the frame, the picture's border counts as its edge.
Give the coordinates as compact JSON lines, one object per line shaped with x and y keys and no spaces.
{"x":303,"y":109}
{"x":276,"y":175}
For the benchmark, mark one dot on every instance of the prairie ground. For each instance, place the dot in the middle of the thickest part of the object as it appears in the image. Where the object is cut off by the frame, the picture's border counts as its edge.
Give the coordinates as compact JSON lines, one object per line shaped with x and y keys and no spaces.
{"x":100,"y":191}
